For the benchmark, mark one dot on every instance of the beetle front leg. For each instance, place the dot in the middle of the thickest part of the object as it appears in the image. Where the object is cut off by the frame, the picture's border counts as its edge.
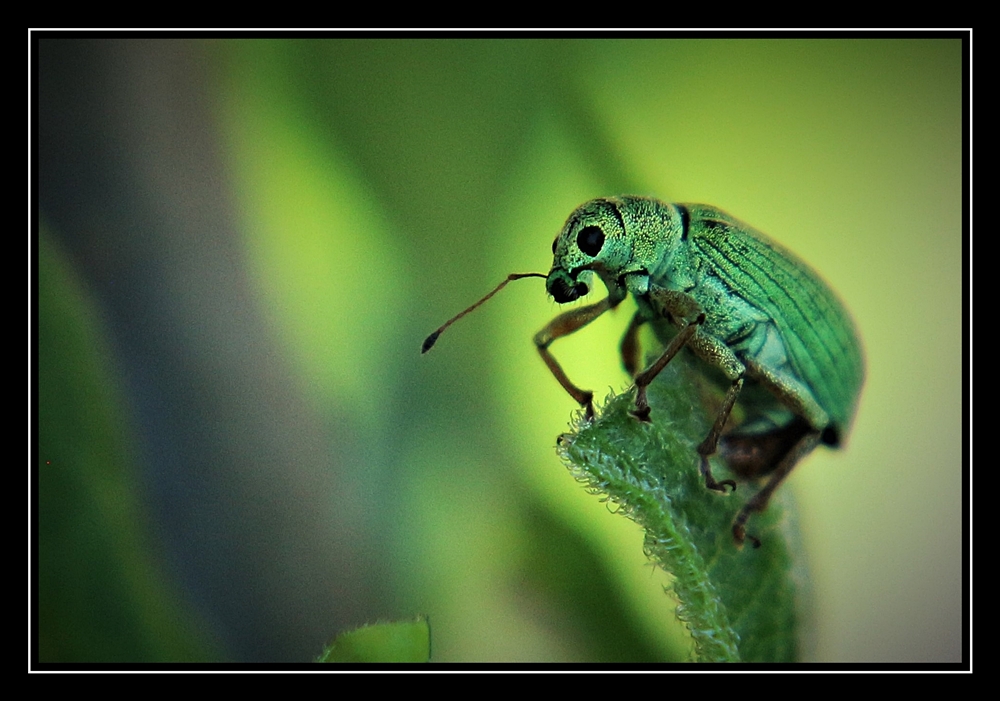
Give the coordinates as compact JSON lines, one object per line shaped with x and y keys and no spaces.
{"x":563,"y":325}
{"x":630,"y":344}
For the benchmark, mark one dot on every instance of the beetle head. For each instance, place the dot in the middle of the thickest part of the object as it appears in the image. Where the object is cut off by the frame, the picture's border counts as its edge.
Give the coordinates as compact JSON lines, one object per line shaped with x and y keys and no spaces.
{"x":592,"y":239}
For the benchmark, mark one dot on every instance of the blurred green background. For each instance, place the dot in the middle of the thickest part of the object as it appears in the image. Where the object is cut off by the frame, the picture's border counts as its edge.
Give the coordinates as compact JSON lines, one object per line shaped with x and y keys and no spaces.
{"x":243,"y":243}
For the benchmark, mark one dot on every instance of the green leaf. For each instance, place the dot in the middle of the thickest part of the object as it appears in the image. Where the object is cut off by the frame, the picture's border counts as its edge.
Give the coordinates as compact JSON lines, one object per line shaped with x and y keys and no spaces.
{"x":400,"y":641}
{"x":103,"y":595}
{"x":738,"y":603}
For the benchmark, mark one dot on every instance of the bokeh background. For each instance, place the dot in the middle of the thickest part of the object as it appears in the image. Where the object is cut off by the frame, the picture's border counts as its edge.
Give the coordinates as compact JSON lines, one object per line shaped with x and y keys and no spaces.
{"x":242,"y":244}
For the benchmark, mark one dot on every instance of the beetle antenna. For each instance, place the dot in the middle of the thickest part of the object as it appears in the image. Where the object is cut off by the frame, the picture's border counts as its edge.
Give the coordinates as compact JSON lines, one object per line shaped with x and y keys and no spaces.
{"x":432,"y":339}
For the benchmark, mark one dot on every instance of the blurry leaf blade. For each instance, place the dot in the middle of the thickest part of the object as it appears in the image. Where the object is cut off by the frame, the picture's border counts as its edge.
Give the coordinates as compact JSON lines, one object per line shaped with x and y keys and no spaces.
{"x":102,"y":594}
{"x":398,"y":641}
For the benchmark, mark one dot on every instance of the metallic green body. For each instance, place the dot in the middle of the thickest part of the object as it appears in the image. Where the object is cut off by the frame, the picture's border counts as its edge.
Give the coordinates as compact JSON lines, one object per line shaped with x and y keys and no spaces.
{"x":777,"y":338}
{"x":764,"y":309}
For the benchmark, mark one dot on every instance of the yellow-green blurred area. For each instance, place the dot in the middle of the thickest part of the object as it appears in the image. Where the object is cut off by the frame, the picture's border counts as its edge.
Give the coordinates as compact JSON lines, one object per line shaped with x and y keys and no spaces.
{"x":241,"y":451}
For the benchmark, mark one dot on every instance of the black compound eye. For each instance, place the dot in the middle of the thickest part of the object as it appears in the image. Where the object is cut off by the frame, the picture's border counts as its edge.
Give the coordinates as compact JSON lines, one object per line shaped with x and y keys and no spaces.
{"x":590,"y":240}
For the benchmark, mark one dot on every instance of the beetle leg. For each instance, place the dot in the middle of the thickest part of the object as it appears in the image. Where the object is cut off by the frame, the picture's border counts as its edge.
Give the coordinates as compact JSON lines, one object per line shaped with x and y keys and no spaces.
{"x":563,"y":325}
{"x":754,"y":455}
{"x":630,"y":344}
{"x":760,"y":499}
{"x":678,"y":305}
{"x":711,"y":442}
{"x":681,"y":309}
{"x":811,"y":423}
{"x":643,"y":379}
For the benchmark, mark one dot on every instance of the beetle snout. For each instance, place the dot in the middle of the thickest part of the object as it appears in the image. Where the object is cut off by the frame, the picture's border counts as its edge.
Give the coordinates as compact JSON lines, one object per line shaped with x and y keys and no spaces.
{"x":563,"y":289}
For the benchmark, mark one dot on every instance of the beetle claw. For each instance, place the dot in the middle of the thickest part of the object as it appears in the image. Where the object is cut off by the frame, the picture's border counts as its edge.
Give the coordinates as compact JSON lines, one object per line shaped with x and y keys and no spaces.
{"x":740,"y":534}
{"x":711,"y":482}
{"x":721,"y":486}
{"x":641,"y":411}
{"x":641,"y":414}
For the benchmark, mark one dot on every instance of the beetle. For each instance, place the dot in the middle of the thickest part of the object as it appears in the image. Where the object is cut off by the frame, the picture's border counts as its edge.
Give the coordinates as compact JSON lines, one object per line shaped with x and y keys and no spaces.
{"x":752,"y":311}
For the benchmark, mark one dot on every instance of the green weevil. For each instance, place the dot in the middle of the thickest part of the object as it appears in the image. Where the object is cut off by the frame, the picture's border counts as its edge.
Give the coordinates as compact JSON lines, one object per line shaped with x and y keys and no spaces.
{"x":754,"y":313}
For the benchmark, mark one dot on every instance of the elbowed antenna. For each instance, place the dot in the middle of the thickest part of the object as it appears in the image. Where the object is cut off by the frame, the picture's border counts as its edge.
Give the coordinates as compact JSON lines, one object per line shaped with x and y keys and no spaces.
{"x":432,"y":339}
